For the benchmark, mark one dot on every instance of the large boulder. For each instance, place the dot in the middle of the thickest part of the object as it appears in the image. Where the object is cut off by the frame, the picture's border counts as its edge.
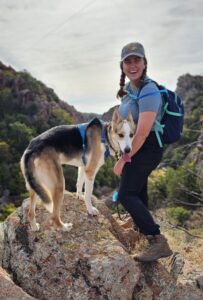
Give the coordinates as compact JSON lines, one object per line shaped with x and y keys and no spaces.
{"x":10,"y":291}
{"x":157,"y":283}
{"x":86,"y":263}
{"x":92,"y":261}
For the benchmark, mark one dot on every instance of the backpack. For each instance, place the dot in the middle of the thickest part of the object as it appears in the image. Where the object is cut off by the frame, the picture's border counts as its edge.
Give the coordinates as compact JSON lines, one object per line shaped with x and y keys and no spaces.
{"x":171,"y":125}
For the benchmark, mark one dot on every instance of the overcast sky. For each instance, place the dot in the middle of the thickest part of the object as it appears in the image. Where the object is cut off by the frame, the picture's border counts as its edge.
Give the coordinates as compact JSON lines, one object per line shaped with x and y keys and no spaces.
{"x":74,"y":46}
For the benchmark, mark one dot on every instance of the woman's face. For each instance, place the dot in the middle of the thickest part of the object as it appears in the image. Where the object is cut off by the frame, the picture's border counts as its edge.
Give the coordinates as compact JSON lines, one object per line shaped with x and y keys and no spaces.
{"x":133,"y":67}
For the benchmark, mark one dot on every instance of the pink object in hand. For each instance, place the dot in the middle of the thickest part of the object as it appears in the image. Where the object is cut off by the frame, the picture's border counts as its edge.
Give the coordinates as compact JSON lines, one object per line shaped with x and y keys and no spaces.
{"x":126,"y":158}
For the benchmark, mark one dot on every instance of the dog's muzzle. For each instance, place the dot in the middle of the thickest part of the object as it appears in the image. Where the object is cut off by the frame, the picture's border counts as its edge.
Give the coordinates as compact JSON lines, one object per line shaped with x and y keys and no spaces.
{"x":127,"y":150}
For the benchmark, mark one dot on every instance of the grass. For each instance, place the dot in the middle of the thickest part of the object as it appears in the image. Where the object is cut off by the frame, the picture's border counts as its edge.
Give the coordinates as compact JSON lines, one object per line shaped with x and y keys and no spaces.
{"x":189,"y":247}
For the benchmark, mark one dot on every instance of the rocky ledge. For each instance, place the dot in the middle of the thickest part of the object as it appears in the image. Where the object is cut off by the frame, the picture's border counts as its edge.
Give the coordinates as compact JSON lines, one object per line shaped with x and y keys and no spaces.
{"x":91,"y":262}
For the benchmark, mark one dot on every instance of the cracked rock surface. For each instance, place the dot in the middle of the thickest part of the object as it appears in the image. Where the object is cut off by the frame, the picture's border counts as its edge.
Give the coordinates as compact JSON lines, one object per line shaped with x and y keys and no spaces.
{"x":86,"y":263}
{"x":91,"y":262}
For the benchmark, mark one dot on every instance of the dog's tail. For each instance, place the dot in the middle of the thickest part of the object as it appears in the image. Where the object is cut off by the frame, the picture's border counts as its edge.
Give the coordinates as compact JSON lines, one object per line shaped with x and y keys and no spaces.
{"x":28,"y":170}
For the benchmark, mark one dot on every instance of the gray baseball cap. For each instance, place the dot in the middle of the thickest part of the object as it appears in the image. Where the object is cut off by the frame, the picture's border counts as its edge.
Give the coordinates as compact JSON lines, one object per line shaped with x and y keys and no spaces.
{"x":132,"y":49}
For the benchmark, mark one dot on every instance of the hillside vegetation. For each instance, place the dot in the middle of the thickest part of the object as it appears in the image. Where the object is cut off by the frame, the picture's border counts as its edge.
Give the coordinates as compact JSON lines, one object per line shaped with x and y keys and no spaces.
{"x":180,"y":179}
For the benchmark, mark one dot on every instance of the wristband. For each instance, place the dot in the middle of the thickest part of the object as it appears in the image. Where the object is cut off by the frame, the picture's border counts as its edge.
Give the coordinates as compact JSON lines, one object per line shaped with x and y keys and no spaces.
{"x":126,"y":158}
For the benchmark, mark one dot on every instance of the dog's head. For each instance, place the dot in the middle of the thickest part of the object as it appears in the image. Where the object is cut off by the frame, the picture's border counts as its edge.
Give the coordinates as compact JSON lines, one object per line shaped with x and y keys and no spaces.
{"x":122,"y":132}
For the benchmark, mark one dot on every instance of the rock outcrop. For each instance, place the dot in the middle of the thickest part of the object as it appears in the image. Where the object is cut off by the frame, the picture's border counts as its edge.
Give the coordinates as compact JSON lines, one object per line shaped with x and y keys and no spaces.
{"x":86,"y":263}
{"x":91,"y":262}
{"x":159,"y":284}
{"x":107,"y":116}
{"x":29,"y":91}
{"x":8,"y":289}
{"x":189,"y":88}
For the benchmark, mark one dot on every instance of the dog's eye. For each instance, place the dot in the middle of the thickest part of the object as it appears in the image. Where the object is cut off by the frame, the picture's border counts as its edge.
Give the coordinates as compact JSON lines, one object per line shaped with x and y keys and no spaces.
{"x":121,"y":135}
{"x":131,"y":135}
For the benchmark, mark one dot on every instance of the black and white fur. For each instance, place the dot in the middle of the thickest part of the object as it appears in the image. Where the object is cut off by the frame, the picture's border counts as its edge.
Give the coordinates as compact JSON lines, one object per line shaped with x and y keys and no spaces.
{"x":42,"y":161}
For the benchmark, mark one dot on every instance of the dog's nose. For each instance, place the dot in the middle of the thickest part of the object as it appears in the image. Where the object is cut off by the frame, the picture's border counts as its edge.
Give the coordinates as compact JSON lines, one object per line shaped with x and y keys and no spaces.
{"x":127,"y":150}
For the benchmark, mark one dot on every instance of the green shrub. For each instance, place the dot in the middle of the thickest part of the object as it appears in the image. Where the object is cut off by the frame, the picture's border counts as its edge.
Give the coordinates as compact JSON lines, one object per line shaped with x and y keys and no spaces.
{"x":182,"y":184}
{"x":61,"y":117}
{"x":4,"y":152}
{"x":8,"y":103}
{"x":6,"y":211}
{"x":178,"y":215}
{"x":174,"y":157}
{"x":20,"y":136}
{"x":118,"y":209}
{"x":70,"y":174}
{"x":200,"y":176}
{"x":157,"y":190}
{"x":106,"y":176}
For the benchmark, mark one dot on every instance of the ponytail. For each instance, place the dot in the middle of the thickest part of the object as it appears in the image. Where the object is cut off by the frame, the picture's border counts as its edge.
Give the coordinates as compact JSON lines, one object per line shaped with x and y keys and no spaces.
{"x":121,"y":91}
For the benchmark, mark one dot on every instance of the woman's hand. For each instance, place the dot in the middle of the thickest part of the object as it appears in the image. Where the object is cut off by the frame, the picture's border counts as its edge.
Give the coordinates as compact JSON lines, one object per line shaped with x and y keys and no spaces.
{"x":119,"y":167}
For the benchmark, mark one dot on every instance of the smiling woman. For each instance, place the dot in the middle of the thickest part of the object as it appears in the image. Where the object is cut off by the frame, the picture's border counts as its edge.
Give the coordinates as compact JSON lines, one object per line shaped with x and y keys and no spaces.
{"x":133,"y":67}
{"x":146,"y":153}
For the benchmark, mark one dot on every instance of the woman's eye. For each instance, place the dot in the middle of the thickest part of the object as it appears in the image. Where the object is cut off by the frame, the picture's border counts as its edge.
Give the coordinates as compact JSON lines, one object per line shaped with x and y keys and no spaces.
{"x":131,"y":135}
{"x":121,"y":135}
{"x":128,"y":61}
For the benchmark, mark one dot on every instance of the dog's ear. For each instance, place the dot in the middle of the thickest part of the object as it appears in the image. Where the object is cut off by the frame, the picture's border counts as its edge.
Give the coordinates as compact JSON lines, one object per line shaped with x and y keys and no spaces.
{"x":129,"y":117}
{"x":116,"y":118}
{"x":131,"y":121}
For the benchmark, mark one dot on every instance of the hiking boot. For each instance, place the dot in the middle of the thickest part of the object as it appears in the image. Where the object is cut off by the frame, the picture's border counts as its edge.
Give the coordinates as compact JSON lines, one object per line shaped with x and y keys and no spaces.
{"x":158,"y":247}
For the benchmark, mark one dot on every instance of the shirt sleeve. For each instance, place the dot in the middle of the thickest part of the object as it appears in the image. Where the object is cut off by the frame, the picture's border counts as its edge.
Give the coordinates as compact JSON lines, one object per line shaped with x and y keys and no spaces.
{"x":150,"y":103}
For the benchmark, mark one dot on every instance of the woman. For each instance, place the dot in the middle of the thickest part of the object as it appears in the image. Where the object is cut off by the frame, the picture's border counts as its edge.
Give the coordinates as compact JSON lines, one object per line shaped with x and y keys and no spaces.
{"x":146,"y":153}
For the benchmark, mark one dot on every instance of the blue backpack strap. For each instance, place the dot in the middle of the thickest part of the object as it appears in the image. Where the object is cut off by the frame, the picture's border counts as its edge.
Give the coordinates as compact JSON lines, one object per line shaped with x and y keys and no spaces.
{"x":82,"y":129}
{"x":152,"y":93}
{"x":169,"y":129}
{"x":134,"y":97}
{"x":172,"y":113}
{"x":158,"y":127}
{"x":103,"y":135}
{"x":103,"y":140}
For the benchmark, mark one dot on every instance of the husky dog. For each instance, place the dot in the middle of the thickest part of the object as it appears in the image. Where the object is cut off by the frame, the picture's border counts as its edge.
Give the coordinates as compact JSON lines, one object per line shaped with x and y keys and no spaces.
{"x":42,"y":161}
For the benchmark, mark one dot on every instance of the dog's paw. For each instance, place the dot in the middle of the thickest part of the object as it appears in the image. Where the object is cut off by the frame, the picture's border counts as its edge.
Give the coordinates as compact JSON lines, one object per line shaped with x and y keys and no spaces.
{"x":93,"y":211}
{"x":34,"y":226}
{"x":67,"y":226}
{"x":80,"y":196}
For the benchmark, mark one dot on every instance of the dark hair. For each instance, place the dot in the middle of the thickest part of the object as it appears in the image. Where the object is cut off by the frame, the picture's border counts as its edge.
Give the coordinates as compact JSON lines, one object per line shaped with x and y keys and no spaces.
{"x":121,"y":92}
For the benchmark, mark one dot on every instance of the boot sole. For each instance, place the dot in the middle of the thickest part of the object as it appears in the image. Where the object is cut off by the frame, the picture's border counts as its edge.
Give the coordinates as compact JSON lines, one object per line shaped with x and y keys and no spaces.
{"x":152,"y":260}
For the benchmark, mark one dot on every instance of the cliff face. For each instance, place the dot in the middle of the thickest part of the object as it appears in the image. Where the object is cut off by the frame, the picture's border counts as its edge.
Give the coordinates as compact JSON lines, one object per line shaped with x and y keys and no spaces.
{"x":29,"y":91}
{"x":190,"y":89}
{"x":107,"y":116}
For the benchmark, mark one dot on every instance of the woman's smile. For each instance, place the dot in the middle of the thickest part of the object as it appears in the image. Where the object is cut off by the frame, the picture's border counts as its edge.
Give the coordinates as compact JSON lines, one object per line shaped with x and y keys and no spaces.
{"x":133,"y":67}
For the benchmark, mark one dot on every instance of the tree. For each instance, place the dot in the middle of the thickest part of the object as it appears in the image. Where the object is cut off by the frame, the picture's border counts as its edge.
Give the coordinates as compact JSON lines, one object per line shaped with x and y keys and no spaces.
{"x":5,"y":154}
{"x":20,"y":136}
{"x":61,"y":117}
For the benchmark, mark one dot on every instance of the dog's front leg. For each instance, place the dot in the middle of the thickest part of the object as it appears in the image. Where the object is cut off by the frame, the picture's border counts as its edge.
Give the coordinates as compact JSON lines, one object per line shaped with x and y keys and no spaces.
{"x":80,"y":182}
{"x":88,"y":194}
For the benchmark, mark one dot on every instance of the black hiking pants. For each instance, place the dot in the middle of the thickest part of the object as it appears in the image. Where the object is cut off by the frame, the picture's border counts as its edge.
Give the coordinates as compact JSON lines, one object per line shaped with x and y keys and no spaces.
{"x":133,"y":185}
